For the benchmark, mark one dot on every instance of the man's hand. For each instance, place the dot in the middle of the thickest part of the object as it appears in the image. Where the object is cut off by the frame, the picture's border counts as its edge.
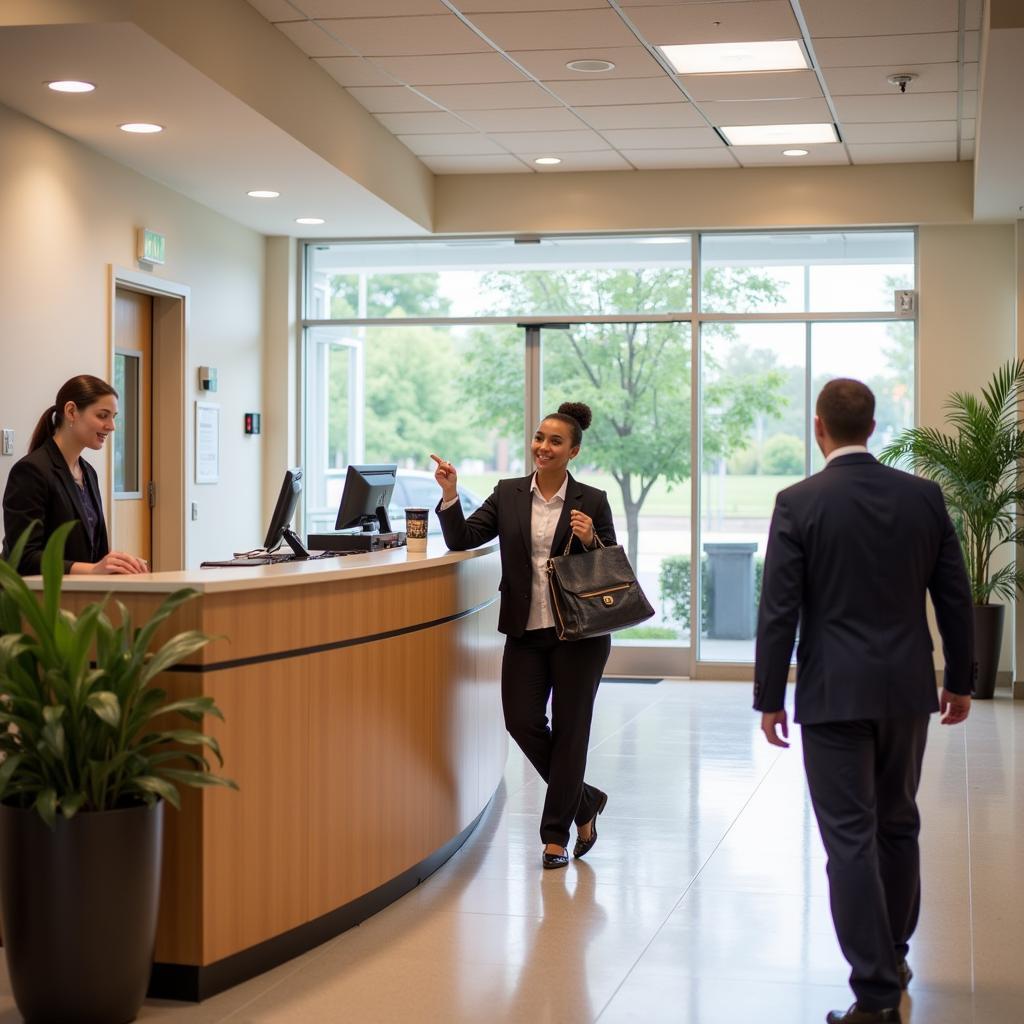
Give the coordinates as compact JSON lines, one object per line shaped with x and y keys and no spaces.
{"x":955,"y":707}
{"x":770,"y":720}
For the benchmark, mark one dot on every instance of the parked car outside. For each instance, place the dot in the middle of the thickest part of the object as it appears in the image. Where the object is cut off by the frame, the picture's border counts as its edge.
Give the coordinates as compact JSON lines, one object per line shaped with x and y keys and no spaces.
{"x":416,"y":488}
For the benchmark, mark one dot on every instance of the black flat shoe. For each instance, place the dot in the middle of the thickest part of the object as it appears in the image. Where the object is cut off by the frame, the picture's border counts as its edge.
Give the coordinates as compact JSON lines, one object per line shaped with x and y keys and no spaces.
{"x":555,"y":860}
{"x":855,"y":1015}
{"x":584,"y":846}
{"x":905,"y":973}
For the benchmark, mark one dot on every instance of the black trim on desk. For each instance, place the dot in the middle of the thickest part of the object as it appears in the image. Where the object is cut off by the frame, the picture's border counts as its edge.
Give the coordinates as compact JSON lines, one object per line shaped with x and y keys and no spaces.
{"x":193,"y":984}
{"x":334,"y":645}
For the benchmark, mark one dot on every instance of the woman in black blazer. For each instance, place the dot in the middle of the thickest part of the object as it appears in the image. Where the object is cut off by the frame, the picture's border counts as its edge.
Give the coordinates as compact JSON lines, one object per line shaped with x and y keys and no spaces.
{"x":533,"y":518}
{"x":53,"y":485}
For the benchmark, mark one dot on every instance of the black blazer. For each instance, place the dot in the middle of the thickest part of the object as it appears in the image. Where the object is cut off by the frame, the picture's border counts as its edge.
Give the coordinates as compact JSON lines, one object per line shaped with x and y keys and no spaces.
{"x":506,"y":514}
{"x":851,"y":553}
{"x":40,"y":486}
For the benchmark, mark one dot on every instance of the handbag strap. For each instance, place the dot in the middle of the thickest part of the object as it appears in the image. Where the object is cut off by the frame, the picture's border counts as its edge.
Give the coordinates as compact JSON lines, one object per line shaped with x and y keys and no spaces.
{"x":572,"y":537}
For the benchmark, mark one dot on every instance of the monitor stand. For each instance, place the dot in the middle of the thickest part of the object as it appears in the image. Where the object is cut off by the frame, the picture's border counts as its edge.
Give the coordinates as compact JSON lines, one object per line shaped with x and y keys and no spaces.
{"x":292,"y":539}
{"x":383,"y":520}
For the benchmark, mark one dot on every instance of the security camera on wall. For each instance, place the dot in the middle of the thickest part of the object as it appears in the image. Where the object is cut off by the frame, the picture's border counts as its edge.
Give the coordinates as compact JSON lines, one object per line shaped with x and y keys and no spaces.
{"x":207,"y":378}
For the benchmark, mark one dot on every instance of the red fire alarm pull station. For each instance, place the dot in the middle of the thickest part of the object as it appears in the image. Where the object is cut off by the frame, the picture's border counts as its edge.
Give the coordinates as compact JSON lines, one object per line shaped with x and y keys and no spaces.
{"x":252,"y":422}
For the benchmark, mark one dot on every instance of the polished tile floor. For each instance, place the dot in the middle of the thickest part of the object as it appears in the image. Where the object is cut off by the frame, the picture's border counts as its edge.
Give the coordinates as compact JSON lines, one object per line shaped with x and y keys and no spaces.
{"x":704,"y":902}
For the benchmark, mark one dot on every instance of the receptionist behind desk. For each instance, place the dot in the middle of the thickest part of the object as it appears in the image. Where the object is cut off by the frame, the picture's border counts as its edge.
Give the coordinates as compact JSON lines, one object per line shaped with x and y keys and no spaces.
{"x":54,"y":485}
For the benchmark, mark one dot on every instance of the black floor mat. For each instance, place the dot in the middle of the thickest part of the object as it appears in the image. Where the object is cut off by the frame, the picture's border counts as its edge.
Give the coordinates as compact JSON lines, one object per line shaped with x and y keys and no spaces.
{"x":628,"y":679}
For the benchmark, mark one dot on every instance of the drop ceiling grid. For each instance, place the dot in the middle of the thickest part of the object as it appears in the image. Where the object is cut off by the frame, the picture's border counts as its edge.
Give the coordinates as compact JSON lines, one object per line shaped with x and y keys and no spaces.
{"x":496,"y":100}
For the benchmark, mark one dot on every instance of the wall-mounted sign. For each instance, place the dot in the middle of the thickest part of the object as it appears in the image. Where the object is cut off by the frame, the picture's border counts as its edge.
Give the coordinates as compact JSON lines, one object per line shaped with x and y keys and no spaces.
{"x":152,"y":247}
{"x":207,"y":442}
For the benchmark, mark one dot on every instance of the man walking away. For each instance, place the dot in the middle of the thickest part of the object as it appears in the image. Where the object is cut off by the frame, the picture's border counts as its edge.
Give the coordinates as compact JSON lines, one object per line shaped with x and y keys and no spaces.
{"x":851,"y":553}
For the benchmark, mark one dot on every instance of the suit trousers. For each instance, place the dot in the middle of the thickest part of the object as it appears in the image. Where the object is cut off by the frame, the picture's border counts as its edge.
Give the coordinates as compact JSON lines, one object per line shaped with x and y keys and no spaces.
{"x":537,"y":666}
{"x":863,"y":778}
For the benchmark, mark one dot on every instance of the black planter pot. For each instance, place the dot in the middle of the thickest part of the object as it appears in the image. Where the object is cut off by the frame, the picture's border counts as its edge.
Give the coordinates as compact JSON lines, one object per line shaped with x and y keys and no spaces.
{"x":988,"y":642}
{"x":79,"y":907}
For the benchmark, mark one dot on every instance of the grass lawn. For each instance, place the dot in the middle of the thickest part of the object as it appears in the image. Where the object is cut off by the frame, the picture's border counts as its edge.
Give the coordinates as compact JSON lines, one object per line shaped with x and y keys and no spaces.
{"x":739,"y":497}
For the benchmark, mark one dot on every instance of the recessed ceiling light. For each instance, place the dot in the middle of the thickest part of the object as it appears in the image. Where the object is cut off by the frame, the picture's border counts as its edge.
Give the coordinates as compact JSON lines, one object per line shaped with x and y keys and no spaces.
{"x":141,"y":128}
{"x":777,"y":134}
{"x":309,"y":220}
{"x":794,"y":152}
{"x":590,"y":67}
{"x":263,"y":193}
{"x":70,"y":85}
{"x":663,"y":240}
{"x":547,"y":161}
{"x":726,"y":58}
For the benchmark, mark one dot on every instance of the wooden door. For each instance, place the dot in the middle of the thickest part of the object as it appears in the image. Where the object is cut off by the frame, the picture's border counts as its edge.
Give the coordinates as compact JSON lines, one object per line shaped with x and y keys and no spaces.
{"x":134,"y":490}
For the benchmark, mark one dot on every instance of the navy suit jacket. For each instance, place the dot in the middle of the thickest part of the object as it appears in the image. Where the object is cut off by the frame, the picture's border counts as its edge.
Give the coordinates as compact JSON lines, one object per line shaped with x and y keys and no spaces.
{"x":852,"y":551}
{"x":40,"y":486}
{"x":507,"y":515}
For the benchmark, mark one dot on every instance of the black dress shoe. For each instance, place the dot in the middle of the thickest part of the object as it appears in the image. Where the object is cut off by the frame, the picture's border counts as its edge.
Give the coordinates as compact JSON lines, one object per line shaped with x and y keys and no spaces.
{"x":584,"y":846}
{"x":855,"y":1015}
{"x":905,"y":973}
{"x":555,"y":860}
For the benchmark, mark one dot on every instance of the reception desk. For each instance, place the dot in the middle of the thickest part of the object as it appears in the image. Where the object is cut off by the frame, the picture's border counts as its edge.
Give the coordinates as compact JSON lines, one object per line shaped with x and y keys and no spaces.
{"x":363,"y":725}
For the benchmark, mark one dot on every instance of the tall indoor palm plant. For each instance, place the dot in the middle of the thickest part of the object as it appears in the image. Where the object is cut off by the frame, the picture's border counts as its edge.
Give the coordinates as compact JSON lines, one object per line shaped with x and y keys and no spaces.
{"x":978,"y":465}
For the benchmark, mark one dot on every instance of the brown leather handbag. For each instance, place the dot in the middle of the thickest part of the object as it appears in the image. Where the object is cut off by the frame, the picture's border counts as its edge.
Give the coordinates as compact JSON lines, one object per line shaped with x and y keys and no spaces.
{"x":595,"y":592}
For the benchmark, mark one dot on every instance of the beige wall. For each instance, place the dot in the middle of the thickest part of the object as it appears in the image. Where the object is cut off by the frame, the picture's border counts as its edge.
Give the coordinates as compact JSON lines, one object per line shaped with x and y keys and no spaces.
{"x":67,"y":215}
{"x":966,"y":328}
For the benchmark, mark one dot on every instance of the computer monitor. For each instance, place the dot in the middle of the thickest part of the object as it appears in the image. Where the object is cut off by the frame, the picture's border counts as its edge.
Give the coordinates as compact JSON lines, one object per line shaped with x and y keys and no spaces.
{"x":281,"y":521}
{"x":364,"y":502}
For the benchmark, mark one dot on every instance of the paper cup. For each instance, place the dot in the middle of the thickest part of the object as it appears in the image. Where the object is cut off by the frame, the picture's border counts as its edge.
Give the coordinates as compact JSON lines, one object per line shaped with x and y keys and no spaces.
{"x":416,"y":528}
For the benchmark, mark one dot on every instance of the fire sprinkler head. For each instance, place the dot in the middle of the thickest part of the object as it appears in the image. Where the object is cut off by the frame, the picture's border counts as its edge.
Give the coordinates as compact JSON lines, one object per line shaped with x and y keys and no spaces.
{"x":901,"y":81}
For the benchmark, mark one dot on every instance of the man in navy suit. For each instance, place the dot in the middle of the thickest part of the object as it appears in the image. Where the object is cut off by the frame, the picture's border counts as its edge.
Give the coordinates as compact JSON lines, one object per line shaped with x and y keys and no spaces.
{"x":852,"y":552}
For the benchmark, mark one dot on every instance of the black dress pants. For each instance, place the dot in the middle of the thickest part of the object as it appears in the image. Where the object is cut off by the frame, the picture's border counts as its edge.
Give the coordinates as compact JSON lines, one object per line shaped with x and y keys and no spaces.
{"x":536,"y":666}
{"x":863,"y":778}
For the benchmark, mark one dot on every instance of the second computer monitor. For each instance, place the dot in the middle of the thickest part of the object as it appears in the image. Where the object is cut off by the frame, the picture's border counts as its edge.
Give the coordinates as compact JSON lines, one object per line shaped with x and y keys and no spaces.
{"x":364,"y":502}
{"x":281,"y":521}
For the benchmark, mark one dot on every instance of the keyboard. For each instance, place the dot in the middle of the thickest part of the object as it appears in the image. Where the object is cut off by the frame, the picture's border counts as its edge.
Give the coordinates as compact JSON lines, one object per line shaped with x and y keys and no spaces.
{"x":249,"y":561}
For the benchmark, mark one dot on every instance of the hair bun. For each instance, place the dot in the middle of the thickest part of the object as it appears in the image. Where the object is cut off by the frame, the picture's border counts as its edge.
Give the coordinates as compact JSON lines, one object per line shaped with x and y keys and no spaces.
{"x":579,"y":411}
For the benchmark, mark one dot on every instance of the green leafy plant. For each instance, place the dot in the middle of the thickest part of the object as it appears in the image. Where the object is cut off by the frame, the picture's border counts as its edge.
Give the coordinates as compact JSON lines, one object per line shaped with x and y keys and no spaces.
{"x":84,"y":735}
{"x":977,"y":467}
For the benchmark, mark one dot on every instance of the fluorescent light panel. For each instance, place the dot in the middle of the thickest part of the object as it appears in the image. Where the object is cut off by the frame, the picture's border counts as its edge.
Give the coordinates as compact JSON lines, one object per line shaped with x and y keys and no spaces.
{"x":726,"y":58}
{"x":778,"y":134}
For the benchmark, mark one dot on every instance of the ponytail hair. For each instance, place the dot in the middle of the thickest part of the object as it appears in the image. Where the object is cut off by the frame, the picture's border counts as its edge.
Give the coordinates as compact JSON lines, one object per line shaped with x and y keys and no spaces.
{"x":82,"y":391}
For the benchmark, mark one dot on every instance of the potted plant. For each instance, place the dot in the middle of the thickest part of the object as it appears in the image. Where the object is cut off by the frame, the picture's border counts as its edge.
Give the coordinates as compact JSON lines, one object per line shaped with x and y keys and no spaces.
{"x":91,"y":752}
{"x":977,"y":466}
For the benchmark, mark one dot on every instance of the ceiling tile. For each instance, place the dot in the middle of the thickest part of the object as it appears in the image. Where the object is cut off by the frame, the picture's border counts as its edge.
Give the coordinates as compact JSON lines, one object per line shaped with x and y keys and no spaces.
{"x":476,"y":165}
{"x":669,"y":3}
{"x":555,"y":143}
{"x":763,"y":85}
{"x":973,"y":13}
{"x":769,"y":112}
{"x":903,"y":152}
{"x":843,"y":18}
{"x":491,"y":96}
{"x":971,"y":75}
{"x":450,"y":145}
{"x":354,"y":71}
{"x":873,"y":80}
{"x":970,"y":107}
{"x":662,"y":138}
{"x":616,"y":91}
{"x":644,"y":115}
{"x":900,"y":131}
{"x":767,"y":156}
{"x":607,"y":160}
{"x":451,"y":69}
{"x":492,"y":6}
{"x":275,"y":10}
{"x":433,"y":123}
{"x":555,"y":30}
{"x":401,"y":37}
{"x":394,"y":99}
{"x":313,"y":40}
{"x":550,"y":65}
{"x":368,"y":8}
{"x":716,"y":22}
{"x":972,"y":46}
{"x":927,"y":106}
{"x":967,"y":149}
{"x":534,"y":119}
{"x":678,"y":159}
{"x":968,"y":126}
{"x":876,"y":51}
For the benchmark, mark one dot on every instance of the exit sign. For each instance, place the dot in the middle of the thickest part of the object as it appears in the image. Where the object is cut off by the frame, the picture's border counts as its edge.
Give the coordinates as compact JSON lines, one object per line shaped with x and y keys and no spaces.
{"x":152,"y":246}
